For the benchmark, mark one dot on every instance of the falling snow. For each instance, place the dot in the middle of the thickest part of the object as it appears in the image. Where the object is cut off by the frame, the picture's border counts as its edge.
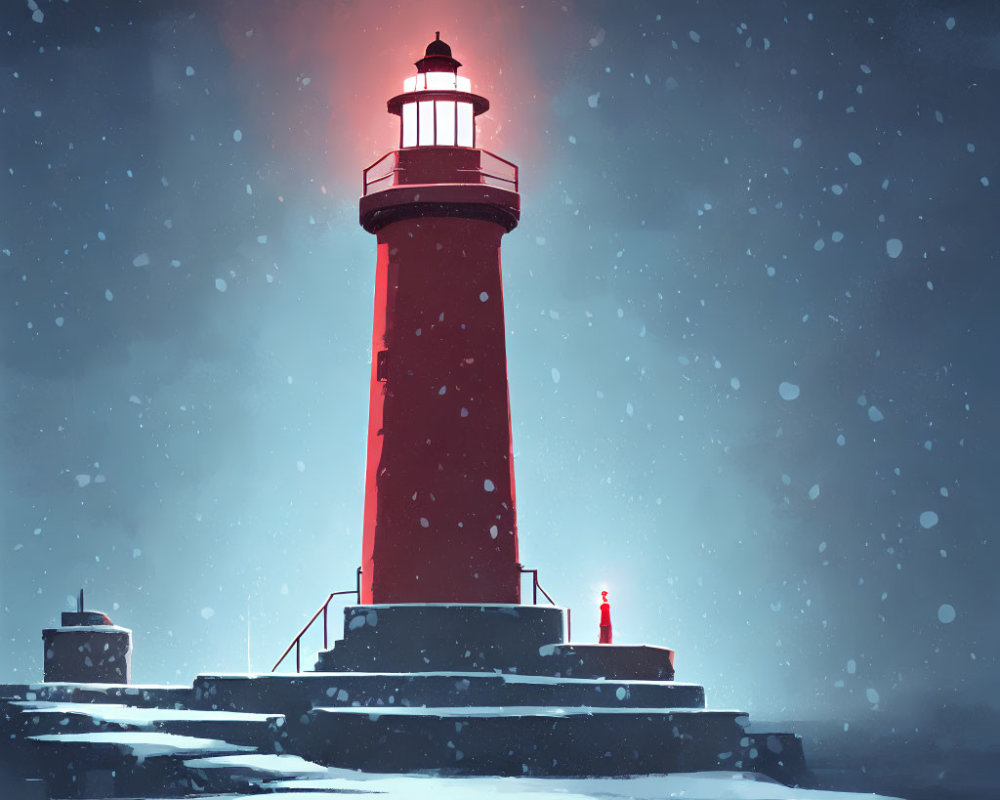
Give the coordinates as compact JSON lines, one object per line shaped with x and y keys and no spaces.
{"x":788,"y":391}
{"x":928,"y":519}
{"x":707,"y":219}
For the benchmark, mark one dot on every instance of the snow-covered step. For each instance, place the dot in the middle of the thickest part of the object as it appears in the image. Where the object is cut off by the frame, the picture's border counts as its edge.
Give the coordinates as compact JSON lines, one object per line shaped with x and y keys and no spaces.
{"x":141,"y":695}
{"x":44,"y":717}
{"x":519,"y":740}
{"x":240,"y":771}
{"x":295,"y":694}
{"x":122,"y":763}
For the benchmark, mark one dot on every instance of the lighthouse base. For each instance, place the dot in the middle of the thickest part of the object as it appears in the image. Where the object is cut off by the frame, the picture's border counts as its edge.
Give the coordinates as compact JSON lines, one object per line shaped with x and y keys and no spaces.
{"x":453,"y":689}
{"x":497,"y":689}
{"x":516,"y":639}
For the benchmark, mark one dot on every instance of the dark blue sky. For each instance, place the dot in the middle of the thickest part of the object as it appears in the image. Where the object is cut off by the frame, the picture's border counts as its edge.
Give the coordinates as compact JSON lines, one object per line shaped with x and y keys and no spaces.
{"x":734,"y":396}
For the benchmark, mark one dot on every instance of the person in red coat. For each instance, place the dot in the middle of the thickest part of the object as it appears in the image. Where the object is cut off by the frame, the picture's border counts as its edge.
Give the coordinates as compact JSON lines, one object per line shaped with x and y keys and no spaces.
{"x":605,"y":637}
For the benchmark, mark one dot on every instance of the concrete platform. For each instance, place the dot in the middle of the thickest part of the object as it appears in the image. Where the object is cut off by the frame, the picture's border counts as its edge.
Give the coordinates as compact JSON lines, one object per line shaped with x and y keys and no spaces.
{"x":459,"y":689}
{"x":523,"y":740}
{"x":526,"y":640}
{"x":424,"y":637}
{"x":372,"y":689}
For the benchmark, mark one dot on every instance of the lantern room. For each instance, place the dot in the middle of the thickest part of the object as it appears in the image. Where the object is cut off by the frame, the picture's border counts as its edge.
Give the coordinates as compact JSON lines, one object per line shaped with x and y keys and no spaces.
{"x":437,"y":107}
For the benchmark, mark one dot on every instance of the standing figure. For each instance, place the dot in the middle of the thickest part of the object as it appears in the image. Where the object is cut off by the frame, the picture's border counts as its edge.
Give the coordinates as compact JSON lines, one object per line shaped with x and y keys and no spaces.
{"x":605,"y":637}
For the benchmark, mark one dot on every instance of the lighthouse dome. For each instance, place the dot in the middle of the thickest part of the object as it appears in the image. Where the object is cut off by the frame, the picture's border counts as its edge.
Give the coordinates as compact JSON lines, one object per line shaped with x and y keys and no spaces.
{"x":438,"y":47}
{"x":437,"y":57}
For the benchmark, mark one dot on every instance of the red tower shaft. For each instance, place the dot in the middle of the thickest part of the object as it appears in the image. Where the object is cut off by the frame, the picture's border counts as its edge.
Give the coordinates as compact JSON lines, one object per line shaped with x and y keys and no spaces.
{"x":439,"y":519}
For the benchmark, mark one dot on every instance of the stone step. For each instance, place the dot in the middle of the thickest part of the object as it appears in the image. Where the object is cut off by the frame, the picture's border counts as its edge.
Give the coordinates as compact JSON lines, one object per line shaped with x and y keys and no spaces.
{"x":48,"y":718}
{"x":525,"y":740}
{"x":138,"y":695}
{"x":122,"y":763}
{"x":296,"y":694}
{"x":425,"y":637}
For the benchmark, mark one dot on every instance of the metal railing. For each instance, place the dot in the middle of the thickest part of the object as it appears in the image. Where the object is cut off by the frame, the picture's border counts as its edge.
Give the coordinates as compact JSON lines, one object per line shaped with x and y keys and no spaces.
{"x":536,"y":587}
{"x":383,"y":169}
{"x":492,"y":171}
{"x":490,"y":161}
{"x":297,"y":641}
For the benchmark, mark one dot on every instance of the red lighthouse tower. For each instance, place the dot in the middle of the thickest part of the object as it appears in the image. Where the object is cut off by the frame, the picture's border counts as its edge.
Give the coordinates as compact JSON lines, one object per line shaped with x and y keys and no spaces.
{"x":439,"y":516}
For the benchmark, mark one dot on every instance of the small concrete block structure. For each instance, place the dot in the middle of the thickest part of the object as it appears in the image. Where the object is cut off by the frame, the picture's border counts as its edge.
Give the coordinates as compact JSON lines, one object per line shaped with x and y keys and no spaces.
{"x":87,"y":648}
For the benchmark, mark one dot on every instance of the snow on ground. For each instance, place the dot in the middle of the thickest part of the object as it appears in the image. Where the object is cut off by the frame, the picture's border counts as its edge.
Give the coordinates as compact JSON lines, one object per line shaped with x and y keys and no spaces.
{"x":145,"y":744}
{"x":132,"y":715}
{"x":511,"y":711}
{"x":691,"y":786}
{"x":279,"y":766}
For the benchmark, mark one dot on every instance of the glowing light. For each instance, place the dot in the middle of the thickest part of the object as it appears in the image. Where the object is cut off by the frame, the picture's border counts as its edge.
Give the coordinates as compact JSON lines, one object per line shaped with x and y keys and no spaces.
{"x":409,"y":124}
{"x":445,"y":122}
{"x":466,"y":129}
{"x":437,"y":81}
{"x":437,"y":122}
{"x":425,"y":123}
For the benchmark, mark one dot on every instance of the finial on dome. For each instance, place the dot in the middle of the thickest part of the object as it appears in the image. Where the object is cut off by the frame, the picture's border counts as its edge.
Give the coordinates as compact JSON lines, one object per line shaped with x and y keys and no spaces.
{"x":437,"y":57}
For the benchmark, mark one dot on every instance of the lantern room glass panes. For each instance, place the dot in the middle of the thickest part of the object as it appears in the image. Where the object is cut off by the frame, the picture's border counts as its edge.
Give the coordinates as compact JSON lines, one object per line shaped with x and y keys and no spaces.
{"x":445,"y":111}
{"x":437,"y":122}
{"x":431,"y":81}
{"x":466,"y":129}
{"x":425,"y":122}
{"x":409,"y":125}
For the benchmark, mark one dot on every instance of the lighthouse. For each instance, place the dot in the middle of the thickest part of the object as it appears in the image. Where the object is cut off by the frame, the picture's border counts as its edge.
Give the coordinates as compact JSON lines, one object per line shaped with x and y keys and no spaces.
{"x":439,"y":512}
{"x":440,"y":667}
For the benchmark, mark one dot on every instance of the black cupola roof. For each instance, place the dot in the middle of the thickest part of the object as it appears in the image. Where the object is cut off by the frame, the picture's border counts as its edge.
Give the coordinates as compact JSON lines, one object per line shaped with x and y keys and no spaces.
{"x":437,"y":57}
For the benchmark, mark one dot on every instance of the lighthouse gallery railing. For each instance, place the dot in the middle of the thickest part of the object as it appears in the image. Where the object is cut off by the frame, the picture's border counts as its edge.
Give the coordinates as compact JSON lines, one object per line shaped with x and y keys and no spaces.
{"x":492,"y":171}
